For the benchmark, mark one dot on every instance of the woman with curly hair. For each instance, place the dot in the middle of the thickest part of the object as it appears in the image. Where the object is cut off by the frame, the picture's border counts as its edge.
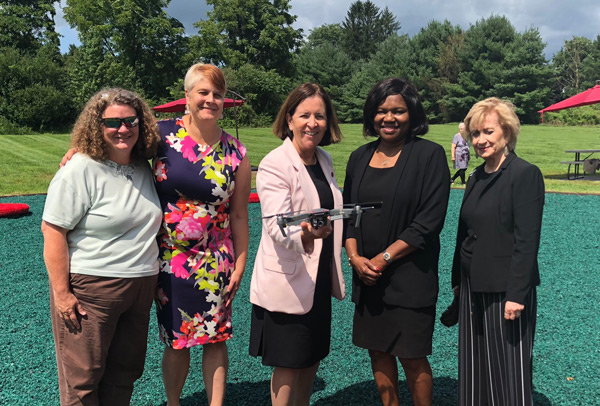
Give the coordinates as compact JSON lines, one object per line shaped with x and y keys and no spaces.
{"x":100,"y":221}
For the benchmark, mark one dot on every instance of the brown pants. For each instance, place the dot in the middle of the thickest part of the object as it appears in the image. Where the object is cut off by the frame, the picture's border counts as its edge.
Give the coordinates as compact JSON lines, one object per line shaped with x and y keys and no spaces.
{"x":99,"y":364}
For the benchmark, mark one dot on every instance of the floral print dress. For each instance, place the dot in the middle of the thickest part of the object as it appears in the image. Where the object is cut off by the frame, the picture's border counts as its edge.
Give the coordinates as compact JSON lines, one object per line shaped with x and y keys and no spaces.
{"x":461,"y":153}
{"x":194,"y":184}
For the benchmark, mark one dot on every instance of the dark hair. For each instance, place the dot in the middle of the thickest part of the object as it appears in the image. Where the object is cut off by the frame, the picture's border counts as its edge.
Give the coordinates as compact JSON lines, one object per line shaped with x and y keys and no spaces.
{"x":298,"y":95}
{"x":88,"y":133}
{"x":391,"y":87}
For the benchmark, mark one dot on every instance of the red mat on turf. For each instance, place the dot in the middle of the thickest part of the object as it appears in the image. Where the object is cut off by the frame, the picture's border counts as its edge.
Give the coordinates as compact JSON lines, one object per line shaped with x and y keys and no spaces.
{"x":13,"y":209}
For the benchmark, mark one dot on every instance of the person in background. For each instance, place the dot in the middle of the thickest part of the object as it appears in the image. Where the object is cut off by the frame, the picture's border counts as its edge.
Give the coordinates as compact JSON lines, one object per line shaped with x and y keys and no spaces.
{"x":202,"y":177}
{"x":460,"y":154}
{"x":99,"y":224}
{"x":395,"y":252}
{"x":296,"y":274}
{"x":495,"y":262}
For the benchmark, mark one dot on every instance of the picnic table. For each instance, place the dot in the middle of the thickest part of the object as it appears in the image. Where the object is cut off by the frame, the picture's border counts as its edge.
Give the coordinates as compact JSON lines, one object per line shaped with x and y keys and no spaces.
{"x":577,"y":174}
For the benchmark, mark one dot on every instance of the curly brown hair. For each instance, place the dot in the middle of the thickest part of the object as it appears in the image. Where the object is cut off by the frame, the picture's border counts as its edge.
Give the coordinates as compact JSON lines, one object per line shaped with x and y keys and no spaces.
{"x":88,"y":133}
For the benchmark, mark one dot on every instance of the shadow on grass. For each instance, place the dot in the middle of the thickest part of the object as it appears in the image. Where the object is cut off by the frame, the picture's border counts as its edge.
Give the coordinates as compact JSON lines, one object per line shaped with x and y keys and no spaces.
{"x":365,"y":393}
{"x":360,"y":394}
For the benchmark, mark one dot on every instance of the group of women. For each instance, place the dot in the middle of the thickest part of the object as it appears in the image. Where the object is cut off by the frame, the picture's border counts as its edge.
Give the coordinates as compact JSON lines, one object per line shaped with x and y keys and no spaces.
{"x":105,"y":207}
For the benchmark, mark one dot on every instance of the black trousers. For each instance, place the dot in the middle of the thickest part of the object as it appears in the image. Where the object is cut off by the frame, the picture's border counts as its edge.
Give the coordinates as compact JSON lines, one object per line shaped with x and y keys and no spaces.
{"x":494,"y":355}
{"x":461,"y":173}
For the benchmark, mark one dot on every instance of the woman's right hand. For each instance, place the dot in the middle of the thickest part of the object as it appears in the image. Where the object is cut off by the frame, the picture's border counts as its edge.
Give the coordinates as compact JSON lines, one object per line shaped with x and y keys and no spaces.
{"x":69,"y":310}
{"x":367,"y":272}
{"x":310,"y":234}
{"x":67,"y":157}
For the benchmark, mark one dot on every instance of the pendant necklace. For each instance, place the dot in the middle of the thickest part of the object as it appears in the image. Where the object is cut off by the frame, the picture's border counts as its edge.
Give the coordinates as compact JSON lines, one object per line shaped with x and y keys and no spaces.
{"x":385,"y":159}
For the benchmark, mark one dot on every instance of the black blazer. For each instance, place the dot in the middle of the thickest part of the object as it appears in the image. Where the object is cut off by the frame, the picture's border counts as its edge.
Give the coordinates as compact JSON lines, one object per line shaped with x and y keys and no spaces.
{"x":505,"y":248}
{"x":415,"y":209}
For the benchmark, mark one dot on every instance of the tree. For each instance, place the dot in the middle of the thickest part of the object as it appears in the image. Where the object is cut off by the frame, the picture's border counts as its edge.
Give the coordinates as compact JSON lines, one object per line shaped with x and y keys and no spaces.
{"x":256,"y":32}
{"x":127,"y":43}
{"x":498,"y":61}
{"x":322,"y":60}
{"x":391,"y":59}
{"x":32,"y":73}
{"x":365,"y":27}
{"x":27,"y":24}
{"x":569,"y":67}
{"x":264,"y":92}
{"x":32,"y":89}
{"x":326,"y":34}
{"x":435,"y":64}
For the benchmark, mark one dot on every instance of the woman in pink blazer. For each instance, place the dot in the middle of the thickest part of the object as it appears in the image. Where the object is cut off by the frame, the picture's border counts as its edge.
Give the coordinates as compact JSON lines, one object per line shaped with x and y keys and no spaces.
{"x":295,"y":275}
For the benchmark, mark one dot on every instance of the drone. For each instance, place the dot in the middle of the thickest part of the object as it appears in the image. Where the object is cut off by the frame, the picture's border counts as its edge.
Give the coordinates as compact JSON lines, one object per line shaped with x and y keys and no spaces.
{"x":318,"y":217}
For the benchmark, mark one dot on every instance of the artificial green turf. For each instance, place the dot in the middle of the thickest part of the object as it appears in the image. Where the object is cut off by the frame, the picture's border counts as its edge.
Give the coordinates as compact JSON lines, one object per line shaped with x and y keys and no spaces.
{"x":567,"y":343}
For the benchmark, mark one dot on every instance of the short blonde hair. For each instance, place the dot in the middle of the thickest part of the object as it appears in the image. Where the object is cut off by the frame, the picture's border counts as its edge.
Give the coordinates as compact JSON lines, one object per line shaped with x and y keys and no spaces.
{"x":88,"y":132}
{"x":507,"y":118}
{"x":204,"y":70}
{"x":305,"y":91}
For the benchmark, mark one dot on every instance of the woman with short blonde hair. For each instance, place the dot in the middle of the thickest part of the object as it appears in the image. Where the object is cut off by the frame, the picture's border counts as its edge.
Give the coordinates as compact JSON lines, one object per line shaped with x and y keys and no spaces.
{"x":495,"y":267}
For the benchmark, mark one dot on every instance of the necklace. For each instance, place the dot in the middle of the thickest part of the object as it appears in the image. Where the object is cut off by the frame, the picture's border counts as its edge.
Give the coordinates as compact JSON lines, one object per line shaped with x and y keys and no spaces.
{"x":388,"y":156}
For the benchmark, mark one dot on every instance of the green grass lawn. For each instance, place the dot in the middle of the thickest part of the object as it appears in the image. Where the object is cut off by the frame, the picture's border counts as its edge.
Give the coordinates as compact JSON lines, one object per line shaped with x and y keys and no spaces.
{"x":30,"y":161}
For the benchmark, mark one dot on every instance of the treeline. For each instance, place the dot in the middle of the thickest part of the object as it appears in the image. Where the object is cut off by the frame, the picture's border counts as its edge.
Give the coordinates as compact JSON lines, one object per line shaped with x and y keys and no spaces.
{"x":136,"y":45}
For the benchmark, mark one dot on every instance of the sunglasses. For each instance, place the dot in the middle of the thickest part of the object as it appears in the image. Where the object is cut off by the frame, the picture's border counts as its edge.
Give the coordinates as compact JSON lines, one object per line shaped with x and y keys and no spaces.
{"x":129,"y":122}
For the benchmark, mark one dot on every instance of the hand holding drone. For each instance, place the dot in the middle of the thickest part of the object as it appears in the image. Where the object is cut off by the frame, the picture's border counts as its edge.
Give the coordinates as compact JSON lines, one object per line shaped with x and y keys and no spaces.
{"x":318,"y":217}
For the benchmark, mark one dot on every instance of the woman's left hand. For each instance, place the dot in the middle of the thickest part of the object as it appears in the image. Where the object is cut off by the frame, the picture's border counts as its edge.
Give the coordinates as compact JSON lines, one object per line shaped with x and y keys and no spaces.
{"x":512,"y":310}
{"x":379,"y":262}
{"x":232,"y":288}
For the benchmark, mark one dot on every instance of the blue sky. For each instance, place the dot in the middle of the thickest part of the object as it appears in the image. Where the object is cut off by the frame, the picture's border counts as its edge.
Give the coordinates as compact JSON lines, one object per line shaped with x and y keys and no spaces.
{"x":557,"y":20}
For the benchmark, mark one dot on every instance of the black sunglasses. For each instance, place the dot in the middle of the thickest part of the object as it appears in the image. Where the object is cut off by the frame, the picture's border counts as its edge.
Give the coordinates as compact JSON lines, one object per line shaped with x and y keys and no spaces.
{"x":129,"y":122}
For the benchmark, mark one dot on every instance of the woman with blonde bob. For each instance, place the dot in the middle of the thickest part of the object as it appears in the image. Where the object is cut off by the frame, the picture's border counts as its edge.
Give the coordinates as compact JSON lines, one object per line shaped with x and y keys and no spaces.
{"x":100,"y":222}
{"x":296,"y":273}
{"x":495,"y":266}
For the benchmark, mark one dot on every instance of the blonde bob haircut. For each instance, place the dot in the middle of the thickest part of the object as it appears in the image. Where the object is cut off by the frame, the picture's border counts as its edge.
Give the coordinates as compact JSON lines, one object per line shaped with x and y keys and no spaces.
{"x":507,"y":118}
{"x":88,"y":132}
{"x":204,"y":70}
{"x":305,"y":91}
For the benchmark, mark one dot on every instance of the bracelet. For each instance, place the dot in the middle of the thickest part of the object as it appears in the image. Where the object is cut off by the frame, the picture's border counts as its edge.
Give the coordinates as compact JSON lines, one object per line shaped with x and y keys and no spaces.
{"x":350,"y":258}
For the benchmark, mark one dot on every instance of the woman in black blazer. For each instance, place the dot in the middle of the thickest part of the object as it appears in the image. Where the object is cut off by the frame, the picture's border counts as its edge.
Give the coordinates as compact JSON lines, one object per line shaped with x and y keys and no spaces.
{"x":395,"y":251}
{"x":495,"y":262}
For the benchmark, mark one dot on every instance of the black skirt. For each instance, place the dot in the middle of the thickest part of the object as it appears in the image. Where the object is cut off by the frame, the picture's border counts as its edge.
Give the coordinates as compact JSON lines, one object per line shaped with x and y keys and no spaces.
{"x":295,"y":340}
{"x":400,"y":331}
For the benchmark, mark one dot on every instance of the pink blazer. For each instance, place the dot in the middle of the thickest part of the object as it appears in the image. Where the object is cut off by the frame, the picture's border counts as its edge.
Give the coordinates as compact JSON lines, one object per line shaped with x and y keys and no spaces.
{"x":284,"y":274}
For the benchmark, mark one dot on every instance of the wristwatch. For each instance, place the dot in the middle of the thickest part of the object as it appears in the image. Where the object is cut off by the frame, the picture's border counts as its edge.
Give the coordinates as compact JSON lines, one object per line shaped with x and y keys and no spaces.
{"x":387,"y":257}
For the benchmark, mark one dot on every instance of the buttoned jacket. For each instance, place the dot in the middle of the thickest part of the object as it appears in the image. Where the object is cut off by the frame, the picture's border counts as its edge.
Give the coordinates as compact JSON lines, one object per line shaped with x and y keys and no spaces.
{"x":505,"y":248}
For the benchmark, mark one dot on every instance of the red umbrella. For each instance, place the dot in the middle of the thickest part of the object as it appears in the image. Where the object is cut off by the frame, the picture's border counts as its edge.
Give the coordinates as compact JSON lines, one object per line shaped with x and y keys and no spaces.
{"x":179,"y":105}
{"x":584,"y":98}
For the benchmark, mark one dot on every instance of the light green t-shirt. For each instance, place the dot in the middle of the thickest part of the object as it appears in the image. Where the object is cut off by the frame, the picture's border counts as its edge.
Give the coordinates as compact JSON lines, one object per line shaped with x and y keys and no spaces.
{"x":113,"y":214}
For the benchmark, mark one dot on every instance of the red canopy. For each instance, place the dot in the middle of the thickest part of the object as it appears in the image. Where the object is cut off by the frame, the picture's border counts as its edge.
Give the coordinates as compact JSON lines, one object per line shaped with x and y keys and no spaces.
{"x":584,"y":98}
{"x":179,"y":105}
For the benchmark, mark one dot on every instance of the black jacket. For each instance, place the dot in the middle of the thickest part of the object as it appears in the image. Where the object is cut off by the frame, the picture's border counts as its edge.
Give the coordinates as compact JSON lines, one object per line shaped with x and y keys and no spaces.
{"x":505,"y":248}
{"x":415,"y":209}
